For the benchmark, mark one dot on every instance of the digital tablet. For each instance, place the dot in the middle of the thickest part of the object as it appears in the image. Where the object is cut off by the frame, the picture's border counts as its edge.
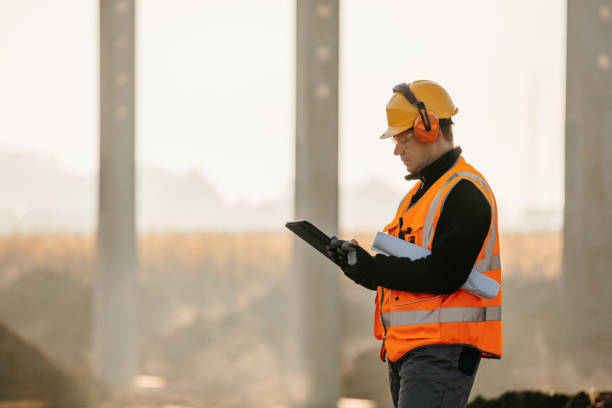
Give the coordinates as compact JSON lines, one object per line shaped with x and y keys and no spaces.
{"x":312,"y":235}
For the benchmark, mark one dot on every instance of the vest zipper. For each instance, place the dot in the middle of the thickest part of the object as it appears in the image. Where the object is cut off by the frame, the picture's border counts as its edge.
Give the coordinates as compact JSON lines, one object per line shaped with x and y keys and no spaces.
{"x":382,"y":347}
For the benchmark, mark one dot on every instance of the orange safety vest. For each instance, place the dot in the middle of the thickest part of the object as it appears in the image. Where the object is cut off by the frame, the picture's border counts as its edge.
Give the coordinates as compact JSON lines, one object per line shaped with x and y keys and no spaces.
{"x":405,"y":320}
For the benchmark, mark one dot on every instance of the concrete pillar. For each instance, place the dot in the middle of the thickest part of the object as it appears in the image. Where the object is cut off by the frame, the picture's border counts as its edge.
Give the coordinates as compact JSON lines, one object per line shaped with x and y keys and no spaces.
{"x":315,"y":280}
{"x":587,"y":258}
{"x":114,"y":337}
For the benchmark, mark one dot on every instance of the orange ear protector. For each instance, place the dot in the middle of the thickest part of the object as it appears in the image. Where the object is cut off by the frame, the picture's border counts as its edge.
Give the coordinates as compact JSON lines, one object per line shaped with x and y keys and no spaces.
{"x":426,"y":125}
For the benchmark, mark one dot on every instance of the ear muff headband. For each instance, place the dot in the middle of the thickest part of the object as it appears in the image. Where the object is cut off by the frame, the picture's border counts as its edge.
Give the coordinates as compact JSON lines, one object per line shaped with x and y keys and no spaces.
{"x":405,"y":90}
{"x":423,"y":129}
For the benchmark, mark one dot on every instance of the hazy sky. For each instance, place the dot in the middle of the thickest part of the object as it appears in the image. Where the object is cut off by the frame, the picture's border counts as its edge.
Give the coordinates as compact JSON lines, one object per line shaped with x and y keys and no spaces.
{"x":215,"y":88}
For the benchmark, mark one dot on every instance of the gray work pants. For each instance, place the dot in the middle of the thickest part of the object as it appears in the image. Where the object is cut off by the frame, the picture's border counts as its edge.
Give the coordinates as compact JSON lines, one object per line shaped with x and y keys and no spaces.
{"x":438,"y":375}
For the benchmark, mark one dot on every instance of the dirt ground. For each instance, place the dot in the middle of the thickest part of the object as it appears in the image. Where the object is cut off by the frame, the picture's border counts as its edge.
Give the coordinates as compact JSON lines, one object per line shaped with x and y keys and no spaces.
{"x":534,"y":399}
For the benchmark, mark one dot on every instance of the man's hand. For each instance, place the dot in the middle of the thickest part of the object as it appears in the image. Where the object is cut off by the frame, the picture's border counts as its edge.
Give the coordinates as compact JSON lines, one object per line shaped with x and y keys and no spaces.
{"x":355,"y":261}
{"x":335,"y":251}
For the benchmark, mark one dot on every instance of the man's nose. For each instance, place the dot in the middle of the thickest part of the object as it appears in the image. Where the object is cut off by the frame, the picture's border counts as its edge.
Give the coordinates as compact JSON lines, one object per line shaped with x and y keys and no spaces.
{"x":397,"y":150}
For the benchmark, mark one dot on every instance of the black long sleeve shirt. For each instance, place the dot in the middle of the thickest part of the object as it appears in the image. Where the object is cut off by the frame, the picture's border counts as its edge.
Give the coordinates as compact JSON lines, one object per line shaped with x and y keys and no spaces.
{"x":460,"y":233}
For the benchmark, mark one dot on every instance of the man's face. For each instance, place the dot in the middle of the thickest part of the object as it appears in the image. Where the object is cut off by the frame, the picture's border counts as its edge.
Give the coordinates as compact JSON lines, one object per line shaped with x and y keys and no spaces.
{"x":414,"y":154}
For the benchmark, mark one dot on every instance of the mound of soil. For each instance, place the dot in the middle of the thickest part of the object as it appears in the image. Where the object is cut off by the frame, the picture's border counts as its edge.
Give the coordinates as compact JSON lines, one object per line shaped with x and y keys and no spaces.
{"x":27,"y":374}
{"x":534,"y":399}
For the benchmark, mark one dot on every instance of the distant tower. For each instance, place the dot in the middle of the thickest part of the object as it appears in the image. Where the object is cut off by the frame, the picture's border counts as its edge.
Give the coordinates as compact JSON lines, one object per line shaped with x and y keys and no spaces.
{"x":114,"y":336}
{"x":315,"y":280}
{"x":587,"y":258}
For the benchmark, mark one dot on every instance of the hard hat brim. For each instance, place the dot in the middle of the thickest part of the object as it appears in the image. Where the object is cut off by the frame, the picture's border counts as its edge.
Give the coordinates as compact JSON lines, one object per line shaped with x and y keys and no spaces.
{"x":394,"y":131}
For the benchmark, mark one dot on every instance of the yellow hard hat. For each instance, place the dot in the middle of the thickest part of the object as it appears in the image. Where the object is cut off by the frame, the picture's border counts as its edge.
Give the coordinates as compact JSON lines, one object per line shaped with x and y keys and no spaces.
{"x":401,"y":114}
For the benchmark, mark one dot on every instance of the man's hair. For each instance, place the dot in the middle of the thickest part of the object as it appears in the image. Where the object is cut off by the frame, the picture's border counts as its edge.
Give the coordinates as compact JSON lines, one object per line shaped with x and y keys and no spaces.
{"x":446,"y":126}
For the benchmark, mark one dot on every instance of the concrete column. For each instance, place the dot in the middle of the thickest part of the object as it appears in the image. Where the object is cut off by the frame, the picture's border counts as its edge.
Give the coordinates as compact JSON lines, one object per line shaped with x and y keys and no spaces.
{"x":587,"y":258}
{"x":114,"y":337}
{"x":315,"y":280}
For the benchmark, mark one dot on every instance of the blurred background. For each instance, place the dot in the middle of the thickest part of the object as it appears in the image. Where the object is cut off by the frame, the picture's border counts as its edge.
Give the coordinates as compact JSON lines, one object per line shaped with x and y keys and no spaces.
{"x":213,"y":98}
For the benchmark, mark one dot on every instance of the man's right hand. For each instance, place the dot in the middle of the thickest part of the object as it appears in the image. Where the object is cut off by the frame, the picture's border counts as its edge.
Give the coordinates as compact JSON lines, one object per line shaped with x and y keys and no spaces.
{"x":355,"y":261}
{"x":338,"y":250}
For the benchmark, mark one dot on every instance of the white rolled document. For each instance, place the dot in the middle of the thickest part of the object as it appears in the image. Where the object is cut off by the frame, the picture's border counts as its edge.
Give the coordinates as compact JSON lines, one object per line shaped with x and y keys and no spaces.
{"x":477,"y":284}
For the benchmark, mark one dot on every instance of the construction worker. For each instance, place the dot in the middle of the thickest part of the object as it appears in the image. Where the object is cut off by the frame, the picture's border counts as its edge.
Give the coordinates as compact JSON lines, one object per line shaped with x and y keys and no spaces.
{"x":433,"y":333}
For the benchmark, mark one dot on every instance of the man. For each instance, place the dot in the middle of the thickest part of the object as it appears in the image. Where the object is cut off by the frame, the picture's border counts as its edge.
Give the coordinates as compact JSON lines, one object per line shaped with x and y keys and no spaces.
{"x":433,"y":333}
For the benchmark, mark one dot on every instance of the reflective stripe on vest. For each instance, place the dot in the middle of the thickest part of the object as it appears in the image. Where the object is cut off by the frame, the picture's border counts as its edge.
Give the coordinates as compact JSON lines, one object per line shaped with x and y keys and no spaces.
{"x":485,"y":265}
{"x":442,"y":315}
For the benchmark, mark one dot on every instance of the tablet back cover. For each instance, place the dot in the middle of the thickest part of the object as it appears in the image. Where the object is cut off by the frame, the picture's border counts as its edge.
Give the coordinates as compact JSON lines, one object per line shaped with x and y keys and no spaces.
{"x":312,"y":235}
